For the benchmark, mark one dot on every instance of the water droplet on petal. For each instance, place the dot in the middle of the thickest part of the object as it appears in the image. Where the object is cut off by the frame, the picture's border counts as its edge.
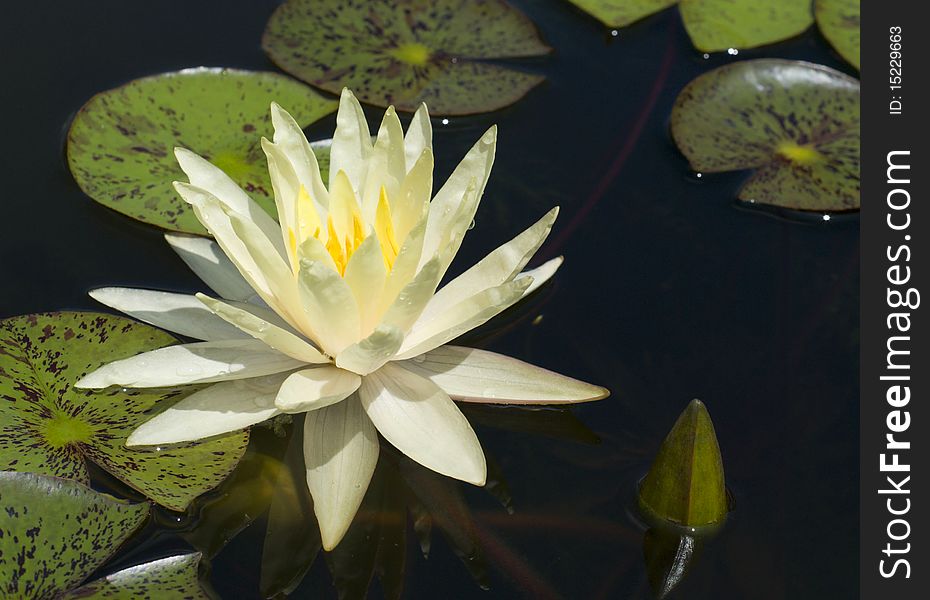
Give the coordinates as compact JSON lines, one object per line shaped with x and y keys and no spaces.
{"x":419,"y":358}
{"x":732,"y":51}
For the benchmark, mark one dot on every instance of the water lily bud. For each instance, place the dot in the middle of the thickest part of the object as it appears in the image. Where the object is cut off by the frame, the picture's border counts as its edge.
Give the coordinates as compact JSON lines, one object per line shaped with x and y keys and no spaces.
{"x":685,"y":484}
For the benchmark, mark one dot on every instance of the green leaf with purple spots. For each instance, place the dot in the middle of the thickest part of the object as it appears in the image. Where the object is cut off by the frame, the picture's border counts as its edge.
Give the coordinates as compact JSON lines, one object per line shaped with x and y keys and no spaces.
{"x":407,"y":52}
{"x":839,"y":22}
{"x":620,"y":13}
{"x":717,"y":25}
{"x":794,"y":124}
{"x":121,"y":143}
{"x":714,"y":25}
{"x":47,"y":426}
{"x":172,"y":578}
{"x":55,"y":532}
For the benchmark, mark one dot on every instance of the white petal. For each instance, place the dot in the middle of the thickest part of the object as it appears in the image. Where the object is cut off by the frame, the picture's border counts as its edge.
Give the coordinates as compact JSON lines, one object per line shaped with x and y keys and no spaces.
{"x":330,"y":305}
{"x":385,"y":165}
{"x":419,"y":136}
{"x":201,"y":362}
{"x":405,"y":265}
{"x":453,"y":232}
{"x":312,"y":389}
{"x":290,"y":138}
{"x":286,"y":188}
{"x":372,"y":352}
{"x":421,"y":421}
{"x":494,"y":269}
{"x":254,"y":325}
{"x":220,"y":408}
{"x":211,"y":178}
{"x":207,"y":260}
{"x":252,"y":253}
{"x":340,"y":453}
{"x":351,"y":142}
{"x":461,"y":318}
{"x":412,"y":202}
{"x":541,"y":274}
{"x":481,"y":376}
{"x":476,"y":166}
{"x":180,"y":313}
{"x":414,"y":297}
{"x":365,"y":275}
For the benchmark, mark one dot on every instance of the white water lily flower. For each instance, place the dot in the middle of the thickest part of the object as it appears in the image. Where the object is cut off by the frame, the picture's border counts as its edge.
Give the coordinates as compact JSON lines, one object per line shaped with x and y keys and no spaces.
{"x":333,"y":311}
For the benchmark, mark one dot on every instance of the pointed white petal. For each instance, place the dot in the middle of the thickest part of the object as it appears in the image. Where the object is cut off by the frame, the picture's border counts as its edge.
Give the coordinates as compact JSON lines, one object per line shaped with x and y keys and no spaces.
{"x":479,"y":376}
{"x":421,"y":421}
{"x":330,"y":305}
{"x":494,"y":269}
{"x":453,"y":232}
{"x":207,"y":176}
{"x":251,"y":251}
{"x":412,"y":202}
{"x":207,"y":260}
{"x":365,"y":275}
{"x":312,"y":389}
{"x":220,"y":408}
{"x":201,"y":362}
{"x":414,"y":297}
{"x":386,"y":164}
{"x":405,"y":265}
{"x":181,"y":313}
{"x":419,"y":136}
{"x":476,"y":166}
{"x":290,"y":138}
{"x":351,"y":142}
{"x":541,"y":274}
{"x":461,"y":318}
{"x":340,"y":453}
{"x":372,"y":352}
{"x":286,"y":188}
{"x":254,"y":325}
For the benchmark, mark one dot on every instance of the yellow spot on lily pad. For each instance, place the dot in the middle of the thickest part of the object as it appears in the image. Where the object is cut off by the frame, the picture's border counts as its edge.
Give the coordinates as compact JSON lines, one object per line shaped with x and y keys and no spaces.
{"x":801,"y":154}
{"x":412,"y":53}
{"x":63,"y":430}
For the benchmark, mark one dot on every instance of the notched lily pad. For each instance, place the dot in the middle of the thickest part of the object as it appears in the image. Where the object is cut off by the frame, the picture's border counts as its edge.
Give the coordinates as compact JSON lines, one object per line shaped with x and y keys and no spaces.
{"x":407,"y":52}
{"x":55,"y":532}
{"x":172,"y":578}
{"x":839,"y":22}
{"x":47,"y":426}
{"x":795,"y":124}
{"x":120,"y":145}
{"x":714,"y":25}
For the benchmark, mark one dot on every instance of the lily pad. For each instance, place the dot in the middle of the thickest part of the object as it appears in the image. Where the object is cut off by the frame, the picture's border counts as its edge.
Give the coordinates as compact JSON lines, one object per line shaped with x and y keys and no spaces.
{"x":794,"y":123}
{"x":839,"y":22}
{"x":120,"y":145}
{"x":55,"y":532}
{"x":714,"y":25}
{"x":172,"y":578}
{"x":407,"y":52}
{"x":47,"y":426}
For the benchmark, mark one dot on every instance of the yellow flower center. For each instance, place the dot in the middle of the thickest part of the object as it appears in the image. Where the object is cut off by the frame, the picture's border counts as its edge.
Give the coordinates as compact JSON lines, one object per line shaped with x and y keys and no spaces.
{"x":412,"y":53}
{"x":799,"y":154}
{"x":344,"y":233}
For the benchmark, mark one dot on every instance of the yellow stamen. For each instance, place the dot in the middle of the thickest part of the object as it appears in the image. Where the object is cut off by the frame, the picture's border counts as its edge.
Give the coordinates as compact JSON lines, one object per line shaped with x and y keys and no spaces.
{"x":335,"y":248}
{"x":384,"y":228}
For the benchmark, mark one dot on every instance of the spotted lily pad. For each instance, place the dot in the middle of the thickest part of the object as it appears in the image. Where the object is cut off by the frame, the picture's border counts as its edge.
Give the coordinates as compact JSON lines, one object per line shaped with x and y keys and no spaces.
{"x":795,"y":124}
{"x":55,"y":532}
{"x":47,"y":426}
{"x":715,"y":25}
{"x":120,"y":145}
{"x":407,"y":52}
{"x":172,"y":578}
{"x":838,"y":21}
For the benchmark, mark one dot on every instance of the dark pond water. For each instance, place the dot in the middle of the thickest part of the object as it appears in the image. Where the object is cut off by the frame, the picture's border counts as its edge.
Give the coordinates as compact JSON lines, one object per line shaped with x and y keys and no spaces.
{"x":670,"y":291}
